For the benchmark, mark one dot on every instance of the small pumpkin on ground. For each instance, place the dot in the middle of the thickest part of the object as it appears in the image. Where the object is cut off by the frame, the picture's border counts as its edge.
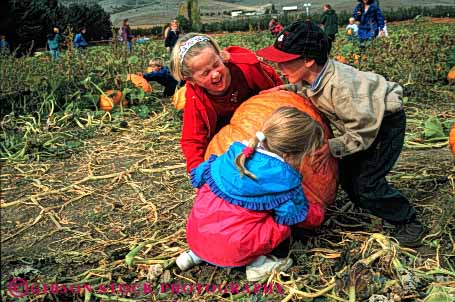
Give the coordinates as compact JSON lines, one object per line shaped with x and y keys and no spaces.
{"x":111,"y":99}
{"x":178,"y":99}
{"x":452,"y":139}
{"x":341,"y":59}
{"x":140,"y":82}
{"x":451,"y":74}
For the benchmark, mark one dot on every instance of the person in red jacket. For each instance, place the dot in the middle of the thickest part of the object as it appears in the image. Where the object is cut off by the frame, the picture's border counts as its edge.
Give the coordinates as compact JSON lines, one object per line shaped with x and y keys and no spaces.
{"x":217,"y":82}
{"x":249,"y":197}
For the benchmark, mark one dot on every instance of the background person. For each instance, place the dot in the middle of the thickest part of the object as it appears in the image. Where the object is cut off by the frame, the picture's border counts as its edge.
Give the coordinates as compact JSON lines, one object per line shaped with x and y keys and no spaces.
{"x":4,"y":46}
{"x":329,"y":22}
{"x":352,"y":30}
{"x":275,"y":27}
{"x":171,"y":36}
{"x":53,"y":43}
{"x":127,"y":36}
{"x":162,"y":75}
{"x":370,"y":18}
{"x":79,"y":40}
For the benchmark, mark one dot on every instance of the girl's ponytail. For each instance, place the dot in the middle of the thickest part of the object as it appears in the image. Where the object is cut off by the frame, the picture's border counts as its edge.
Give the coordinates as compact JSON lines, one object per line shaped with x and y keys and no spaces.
{"x":248,"y":152}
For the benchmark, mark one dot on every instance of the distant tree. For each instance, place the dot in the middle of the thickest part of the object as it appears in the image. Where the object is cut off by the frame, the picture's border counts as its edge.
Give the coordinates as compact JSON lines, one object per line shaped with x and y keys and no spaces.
{"x":184,"y":23}
{"x":195,"y":12}
{"x":26,"y":23}
{"x":182,"y":9}
{"x":93,"y":17}
{"x":273,"y":9}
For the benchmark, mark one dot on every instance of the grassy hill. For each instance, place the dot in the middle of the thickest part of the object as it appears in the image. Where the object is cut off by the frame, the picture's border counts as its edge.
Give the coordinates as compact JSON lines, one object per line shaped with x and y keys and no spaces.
{"x":154,"y":12}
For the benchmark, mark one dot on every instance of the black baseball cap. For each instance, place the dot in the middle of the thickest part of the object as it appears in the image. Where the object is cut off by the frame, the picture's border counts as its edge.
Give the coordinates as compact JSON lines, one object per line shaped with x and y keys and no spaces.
{"x":300,"y":39}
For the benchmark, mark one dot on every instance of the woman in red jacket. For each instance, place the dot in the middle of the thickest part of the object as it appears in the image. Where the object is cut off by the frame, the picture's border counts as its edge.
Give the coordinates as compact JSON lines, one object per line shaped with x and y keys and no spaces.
{"x":217,"y":82}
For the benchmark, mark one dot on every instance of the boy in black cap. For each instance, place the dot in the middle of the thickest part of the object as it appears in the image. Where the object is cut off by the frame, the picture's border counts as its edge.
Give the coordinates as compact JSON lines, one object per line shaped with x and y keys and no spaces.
{"x":367,"y":110}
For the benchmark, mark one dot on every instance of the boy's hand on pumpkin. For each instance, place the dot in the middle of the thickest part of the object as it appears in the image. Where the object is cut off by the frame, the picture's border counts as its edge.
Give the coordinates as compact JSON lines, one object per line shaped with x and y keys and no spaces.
{"x":320,"y":159}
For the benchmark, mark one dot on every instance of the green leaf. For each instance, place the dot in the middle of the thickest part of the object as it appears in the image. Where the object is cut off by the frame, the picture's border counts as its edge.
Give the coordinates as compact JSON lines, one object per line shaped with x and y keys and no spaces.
{"x":140,"y":94}
{"x":447,"y":124}
{"x":142,"y":111}
{"x":438,"y":293}
{"x":73,"y":144}
{"x":129,"y":258}
{"x":433,"y":128}
{"x":133,"y":60}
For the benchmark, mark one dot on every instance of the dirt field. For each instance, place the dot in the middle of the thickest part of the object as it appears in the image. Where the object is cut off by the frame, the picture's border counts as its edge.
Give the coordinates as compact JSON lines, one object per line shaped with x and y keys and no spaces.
{"x":75,"y":219}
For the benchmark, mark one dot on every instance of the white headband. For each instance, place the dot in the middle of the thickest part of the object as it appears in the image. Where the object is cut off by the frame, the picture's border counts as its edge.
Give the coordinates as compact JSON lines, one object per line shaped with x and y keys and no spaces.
{"x":185,"y":46}
{"x":260,"y":136}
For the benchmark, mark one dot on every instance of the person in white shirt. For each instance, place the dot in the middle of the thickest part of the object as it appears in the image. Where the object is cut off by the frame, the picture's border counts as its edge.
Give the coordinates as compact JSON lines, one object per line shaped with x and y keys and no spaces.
{"x":384,"y":32}
{"x":352,"y":30}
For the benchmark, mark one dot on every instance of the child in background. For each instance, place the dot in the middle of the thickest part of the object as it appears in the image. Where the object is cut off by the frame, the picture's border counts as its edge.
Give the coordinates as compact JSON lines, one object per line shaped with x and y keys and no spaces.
{"x":248,"y":197}
{"x":161,"y":74}
{"x":79,"y":40}
{"x":384,"y":32}
{"x":4,"y":46}
{"x":217,"y":82}
{"x":352,"y":30}
{"x":275,"y":27}
{"x":53,"y":43}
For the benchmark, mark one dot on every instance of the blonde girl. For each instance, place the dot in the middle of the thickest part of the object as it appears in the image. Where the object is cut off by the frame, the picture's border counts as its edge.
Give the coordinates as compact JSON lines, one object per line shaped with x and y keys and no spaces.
{"x":217,"y":82}
{"x":250,"y":196}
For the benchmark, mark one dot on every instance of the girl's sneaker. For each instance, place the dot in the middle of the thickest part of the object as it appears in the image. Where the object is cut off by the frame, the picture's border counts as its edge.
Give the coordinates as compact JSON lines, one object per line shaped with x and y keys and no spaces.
{"x":264,"y":265}
{"x":187,"y":260}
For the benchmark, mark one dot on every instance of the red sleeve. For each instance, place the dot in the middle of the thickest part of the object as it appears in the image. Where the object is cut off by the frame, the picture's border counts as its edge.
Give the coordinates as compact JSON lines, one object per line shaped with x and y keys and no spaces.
{"x":194,"y":139}
{"x":272,"y":74}
{"x":315,"y":217}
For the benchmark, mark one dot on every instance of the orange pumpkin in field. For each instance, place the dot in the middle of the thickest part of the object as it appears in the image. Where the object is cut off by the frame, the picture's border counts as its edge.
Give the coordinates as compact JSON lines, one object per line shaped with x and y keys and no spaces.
{"x":452,"y":139}
{"x":178,"y":99}
{"x":111,"y":99}
{"x":319,"y":186}
{"x":341,"y":59}
{"x":451,"y":74}
{"x":139,"y":82}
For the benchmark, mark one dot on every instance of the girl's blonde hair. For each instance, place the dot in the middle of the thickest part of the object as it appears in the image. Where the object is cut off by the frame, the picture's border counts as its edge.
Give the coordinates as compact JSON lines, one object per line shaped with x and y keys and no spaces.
{"x":288,"y":131}
{"x":181,"y":71}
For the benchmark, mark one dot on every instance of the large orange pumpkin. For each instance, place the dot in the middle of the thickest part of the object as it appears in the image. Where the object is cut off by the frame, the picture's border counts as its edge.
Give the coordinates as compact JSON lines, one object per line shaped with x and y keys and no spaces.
{"x":140,"y":82}
{"x":319,"y":186}
{"x":178,"y":100}
{"x":110,"y":99}
{"x":452,"y":139}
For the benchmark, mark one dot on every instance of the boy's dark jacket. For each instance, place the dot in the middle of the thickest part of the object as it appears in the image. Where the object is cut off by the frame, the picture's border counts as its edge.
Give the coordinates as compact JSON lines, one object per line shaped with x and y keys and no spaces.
{"x":163,"y":77}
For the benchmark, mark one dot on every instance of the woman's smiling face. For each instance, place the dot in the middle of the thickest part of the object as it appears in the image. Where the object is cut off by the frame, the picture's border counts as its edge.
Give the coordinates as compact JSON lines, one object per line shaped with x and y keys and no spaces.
{"x":209,"y":72}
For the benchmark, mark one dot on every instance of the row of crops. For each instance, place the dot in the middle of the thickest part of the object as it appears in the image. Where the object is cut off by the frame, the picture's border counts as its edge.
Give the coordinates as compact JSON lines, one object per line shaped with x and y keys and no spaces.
{"x":40,"y":100}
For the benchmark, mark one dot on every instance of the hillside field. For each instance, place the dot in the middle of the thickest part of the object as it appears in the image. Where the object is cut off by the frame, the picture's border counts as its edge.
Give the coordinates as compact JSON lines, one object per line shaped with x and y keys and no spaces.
{"x":154,"y":12}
